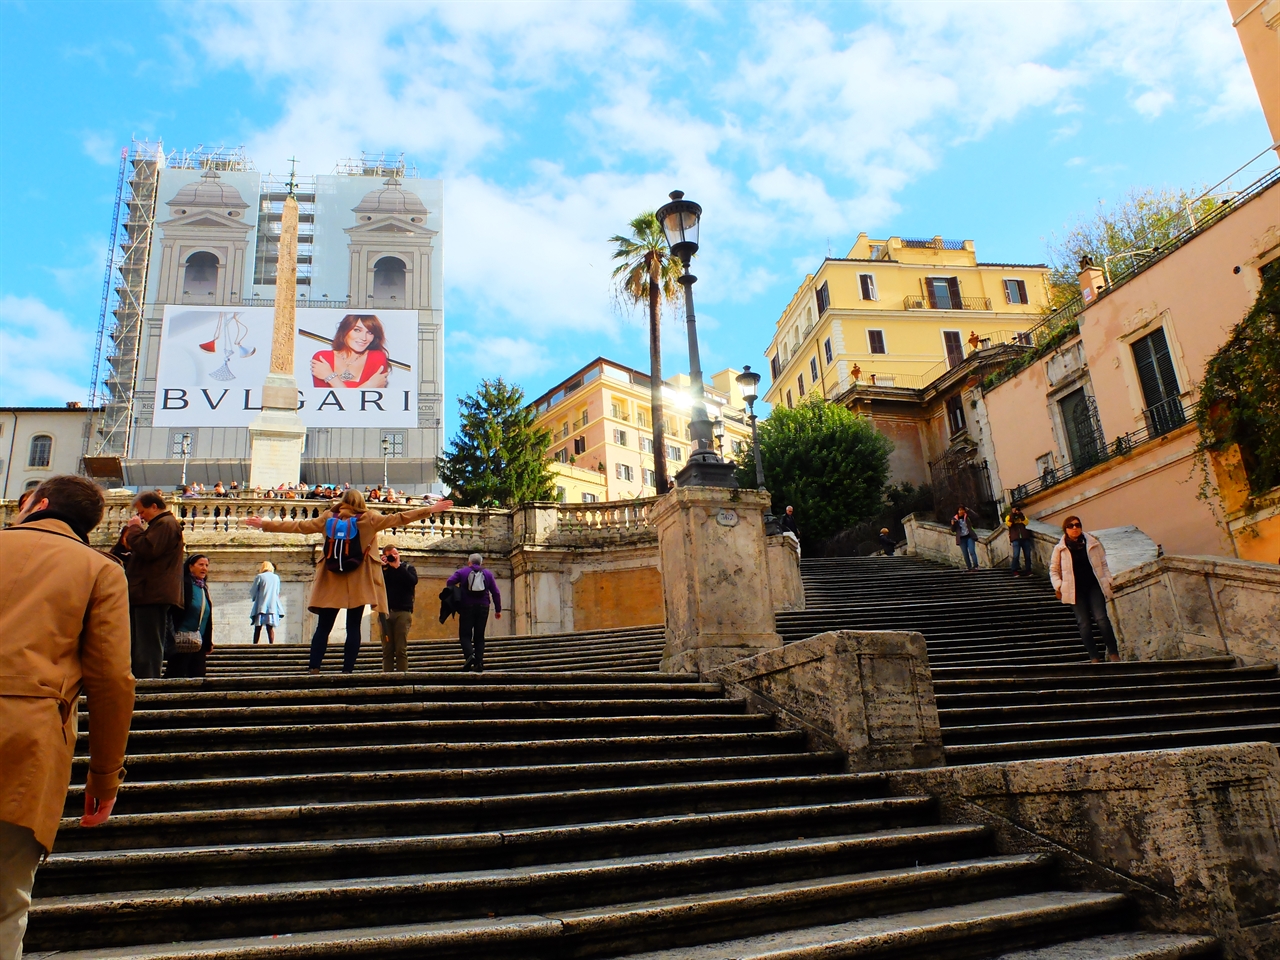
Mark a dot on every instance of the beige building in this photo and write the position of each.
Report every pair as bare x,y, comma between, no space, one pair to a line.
40,442
599,419
898,312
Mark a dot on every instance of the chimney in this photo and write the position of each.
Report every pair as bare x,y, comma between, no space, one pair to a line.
1090,278
73,404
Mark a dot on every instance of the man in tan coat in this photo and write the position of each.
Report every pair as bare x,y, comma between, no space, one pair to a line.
64,628
152,555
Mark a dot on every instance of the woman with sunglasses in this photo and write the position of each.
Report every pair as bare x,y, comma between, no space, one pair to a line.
1080,577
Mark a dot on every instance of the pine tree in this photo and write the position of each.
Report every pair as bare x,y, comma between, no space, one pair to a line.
497,457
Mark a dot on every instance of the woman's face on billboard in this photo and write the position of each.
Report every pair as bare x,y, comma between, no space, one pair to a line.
359,338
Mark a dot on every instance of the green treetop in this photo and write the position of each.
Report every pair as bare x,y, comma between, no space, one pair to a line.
497,456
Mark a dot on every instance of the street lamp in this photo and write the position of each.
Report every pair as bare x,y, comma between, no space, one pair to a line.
186,455
749,381
717,431
680,220
386,452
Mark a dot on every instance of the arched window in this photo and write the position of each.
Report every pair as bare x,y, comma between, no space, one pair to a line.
388,279
41,450
201,281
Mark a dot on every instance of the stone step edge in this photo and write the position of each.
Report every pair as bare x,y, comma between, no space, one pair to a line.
1081,748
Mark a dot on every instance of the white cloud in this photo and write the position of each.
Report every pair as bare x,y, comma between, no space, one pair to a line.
513,358
45,357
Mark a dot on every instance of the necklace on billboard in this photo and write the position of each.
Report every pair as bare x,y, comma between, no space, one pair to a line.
230,333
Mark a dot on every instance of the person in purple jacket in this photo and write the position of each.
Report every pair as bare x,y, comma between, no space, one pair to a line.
477,584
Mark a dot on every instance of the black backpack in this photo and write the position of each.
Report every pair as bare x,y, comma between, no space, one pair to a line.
342,552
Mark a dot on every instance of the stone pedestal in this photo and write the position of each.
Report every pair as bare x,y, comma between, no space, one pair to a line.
867,693
276,435
715,577
785,585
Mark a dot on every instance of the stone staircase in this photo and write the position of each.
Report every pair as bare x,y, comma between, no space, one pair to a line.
530,815
1011,677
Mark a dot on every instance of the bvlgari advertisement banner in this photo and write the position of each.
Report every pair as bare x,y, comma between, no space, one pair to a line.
354,369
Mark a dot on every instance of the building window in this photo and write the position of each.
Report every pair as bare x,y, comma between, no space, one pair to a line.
1015,291
688,433
824,298
877,249
648,477
875,338
955,415
642,419
589,498
564,429
813,369
624,471
790,404
560,495
800,386
562,455
579,446
41,450
176,443
615,410
826,348
1159,381
620,437
954,346
868,284
646,445
944,292
674,453
389,279
775,367
393,444
200,279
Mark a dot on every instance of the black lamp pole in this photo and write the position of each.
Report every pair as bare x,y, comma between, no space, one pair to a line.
680,220
749,381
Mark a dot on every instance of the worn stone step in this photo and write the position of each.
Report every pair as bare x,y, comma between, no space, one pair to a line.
1115,708
333,680
965,753
600,931
1125,946
220,793
1148,718
375,818
254,909
1155,670
407,850
1248,681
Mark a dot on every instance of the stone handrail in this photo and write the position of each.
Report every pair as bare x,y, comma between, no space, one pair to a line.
619,517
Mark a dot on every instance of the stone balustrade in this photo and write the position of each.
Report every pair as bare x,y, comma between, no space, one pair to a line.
624,518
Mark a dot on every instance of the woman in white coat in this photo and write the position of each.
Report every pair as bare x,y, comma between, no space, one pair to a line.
1079,574
265,596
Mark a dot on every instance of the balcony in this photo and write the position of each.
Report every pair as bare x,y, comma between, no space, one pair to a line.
1164,417
949,303
579,424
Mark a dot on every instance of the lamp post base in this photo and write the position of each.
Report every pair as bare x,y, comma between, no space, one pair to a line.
707,473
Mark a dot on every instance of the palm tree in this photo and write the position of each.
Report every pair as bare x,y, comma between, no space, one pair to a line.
648,271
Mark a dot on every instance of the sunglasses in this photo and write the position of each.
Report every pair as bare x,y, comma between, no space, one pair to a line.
1073,526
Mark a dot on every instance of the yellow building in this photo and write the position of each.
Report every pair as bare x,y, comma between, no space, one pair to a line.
599,418
898,312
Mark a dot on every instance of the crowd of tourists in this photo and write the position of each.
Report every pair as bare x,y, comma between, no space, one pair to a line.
296,491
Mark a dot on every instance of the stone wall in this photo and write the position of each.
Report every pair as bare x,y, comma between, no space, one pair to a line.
1193,834
1180,607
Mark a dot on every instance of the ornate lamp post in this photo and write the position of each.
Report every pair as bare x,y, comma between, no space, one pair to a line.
386,452
186,455
717,431
680,220
749,381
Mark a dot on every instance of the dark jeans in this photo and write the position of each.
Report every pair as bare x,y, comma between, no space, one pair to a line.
1020,546
150,631
1093,605
969,547
325,620
471,622
185,665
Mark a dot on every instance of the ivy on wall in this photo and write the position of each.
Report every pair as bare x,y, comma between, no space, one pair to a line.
1240,395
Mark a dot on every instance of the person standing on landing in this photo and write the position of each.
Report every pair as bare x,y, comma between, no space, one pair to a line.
192,623
478,584
1080,577
402,580
152,558
361,584
966,536
64,630
1019,539
264,596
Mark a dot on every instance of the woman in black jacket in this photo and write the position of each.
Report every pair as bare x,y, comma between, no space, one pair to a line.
192,623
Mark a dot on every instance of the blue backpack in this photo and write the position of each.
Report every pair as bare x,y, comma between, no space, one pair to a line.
342,552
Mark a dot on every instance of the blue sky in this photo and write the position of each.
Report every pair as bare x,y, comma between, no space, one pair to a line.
794,125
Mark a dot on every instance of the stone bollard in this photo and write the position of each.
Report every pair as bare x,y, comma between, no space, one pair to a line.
715,577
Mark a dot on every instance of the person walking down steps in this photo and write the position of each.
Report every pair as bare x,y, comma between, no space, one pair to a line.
264,595
966,536
402,581
346,578
1080,576
476,584
1019,540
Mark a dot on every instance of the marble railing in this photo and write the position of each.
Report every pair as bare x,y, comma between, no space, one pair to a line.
616,517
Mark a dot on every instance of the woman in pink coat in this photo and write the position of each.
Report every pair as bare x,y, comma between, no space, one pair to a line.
1079,574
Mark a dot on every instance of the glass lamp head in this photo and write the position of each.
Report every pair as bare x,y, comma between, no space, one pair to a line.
717,428
680,219
749,381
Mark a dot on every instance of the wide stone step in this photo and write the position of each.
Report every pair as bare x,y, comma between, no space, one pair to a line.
1151,719
1125,946
461,682
221,793
1159,671
406,851
157,916
990,752
678,921
376,818
958,719
1246,681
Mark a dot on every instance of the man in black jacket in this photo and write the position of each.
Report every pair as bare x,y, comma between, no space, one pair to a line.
401,580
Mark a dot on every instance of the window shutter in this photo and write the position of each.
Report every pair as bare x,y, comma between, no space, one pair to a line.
953,288
1155,368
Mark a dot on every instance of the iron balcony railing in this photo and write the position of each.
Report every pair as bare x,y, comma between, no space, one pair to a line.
952,303
1160,420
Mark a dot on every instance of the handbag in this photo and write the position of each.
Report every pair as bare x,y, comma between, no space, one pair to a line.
187,641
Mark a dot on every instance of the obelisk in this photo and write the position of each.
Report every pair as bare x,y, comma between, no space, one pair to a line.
276,435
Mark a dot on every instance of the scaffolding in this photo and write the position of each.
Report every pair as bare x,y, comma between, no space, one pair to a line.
377,165
128,263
